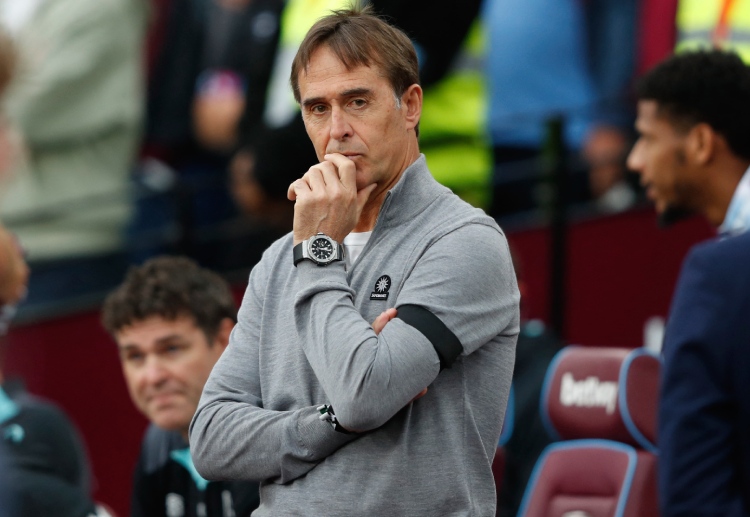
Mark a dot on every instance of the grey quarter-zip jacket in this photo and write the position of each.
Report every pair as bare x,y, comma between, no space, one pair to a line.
304,338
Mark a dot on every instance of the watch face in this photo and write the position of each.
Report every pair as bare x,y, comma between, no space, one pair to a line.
321,249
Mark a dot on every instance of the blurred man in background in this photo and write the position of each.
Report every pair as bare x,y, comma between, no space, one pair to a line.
693,156
77,103
171,320
572,61
45,468
693,153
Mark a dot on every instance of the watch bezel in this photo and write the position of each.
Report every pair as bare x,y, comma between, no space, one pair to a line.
302,251
331,242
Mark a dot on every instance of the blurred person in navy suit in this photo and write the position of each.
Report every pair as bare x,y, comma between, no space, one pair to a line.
693,156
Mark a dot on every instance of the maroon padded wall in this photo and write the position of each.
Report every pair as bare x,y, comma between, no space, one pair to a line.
622,270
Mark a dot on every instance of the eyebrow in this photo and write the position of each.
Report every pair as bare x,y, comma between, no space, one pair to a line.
353,92
356,92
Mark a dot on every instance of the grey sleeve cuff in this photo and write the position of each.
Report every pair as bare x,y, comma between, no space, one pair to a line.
318,436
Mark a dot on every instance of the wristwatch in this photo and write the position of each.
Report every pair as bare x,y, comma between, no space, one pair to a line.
320,249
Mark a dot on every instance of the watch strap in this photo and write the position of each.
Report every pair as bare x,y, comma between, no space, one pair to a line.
339,251
297,253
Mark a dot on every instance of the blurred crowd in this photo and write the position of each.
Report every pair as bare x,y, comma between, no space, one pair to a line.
144,127
140,127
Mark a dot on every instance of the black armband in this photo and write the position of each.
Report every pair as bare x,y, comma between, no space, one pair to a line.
446,344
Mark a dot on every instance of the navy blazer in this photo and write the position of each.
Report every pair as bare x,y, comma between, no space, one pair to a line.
704,413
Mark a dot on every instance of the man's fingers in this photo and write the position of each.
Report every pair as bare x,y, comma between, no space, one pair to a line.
382,319
314,178
420,395
317,177
347,171
330,174
296,187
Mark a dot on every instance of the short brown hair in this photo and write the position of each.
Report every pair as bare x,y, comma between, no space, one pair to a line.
360,38
170,287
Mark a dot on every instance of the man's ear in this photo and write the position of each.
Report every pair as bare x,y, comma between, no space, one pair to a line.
411,102
702,143
222,334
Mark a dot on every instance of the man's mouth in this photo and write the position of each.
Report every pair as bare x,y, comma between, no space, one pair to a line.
348,154
162,398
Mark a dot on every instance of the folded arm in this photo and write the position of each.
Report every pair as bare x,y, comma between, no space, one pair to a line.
371,377
232,436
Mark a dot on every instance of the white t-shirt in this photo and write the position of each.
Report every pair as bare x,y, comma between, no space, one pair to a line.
354,243
15,14
737,218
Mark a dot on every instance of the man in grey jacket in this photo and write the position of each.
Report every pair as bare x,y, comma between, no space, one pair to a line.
310,398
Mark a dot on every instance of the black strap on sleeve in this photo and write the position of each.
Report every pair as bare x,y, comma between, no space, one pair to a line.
446,344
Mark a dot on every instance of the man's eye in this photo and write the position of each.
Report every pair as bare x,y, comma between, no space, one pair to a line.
134,357
319,108
358,103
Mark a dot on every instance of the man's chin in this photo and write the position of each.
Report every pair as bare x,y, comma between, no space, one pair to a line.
170,420
672,215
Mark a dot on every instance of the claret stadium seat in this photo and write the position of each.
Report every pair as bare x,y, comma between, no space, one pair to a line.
601,406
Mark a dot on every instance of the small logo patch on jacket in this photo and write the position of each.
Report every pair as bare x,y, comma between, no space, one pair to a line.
382,286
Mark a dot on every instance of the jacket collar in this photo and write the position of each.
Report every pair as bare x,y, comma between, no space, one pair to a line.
415,190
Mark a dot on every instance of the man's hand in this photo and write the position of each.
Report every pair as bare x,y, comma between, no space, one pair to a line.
327,200
378,326
382,319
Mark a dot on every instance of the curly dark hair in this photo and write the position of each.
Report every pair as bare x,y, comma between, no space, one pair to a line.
704,86
170,287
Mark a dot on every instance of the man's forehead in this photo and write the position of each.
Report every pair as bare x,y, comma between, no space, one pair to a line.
157,328
663,117
650,113
648,108
324,64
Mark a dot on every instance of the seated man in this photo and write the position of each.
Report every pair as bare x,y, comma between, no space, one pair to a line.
43,465
47,471
171,320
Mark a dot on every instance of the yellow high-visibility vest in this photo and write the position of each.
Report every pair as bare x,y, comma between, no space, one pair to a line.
699,25
452,130
297,18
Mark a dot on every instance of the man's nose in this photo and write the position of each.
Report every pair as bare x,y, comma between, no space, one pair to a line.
154,371
340,128
635,158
